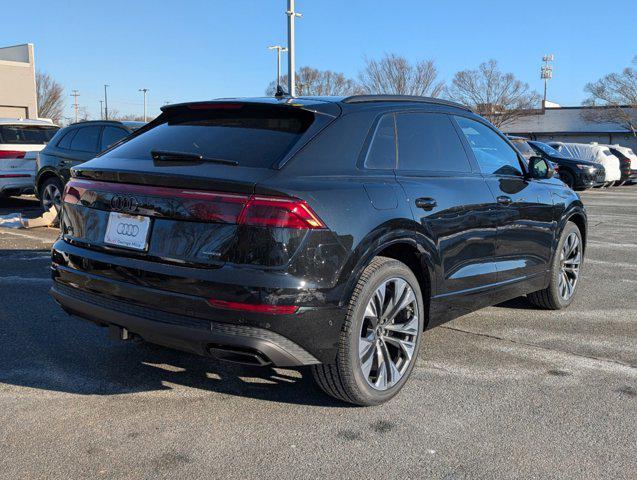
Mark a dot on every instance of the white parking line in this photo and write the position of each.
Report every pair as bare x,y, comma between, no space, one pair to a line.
26,235
12,280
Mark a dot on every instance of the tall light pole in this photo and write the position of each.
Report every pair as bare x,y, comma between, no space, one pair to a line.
105,103
546,73
101,109
278,49
292,14
145,90
75,94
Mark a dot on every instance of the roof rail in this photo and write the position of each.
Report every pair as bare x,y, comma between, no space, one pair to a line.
402,98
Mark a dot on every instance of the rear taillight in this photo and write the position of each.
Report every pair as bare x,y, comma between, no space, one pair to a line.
279,212
11,154
217,207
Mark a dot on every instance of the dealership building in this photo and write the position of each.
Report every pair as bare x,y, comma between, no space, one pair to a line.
571,124
18,97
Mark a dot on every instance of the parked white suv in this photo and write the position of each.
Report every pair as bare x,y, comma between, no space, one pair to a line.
20,141
593,152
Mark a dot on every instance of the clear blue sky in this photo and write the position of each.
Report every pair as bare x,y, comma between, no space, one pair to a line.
193,50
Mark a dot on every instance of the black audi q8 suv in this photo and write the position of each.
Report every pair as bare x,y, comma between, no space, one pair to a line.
326,232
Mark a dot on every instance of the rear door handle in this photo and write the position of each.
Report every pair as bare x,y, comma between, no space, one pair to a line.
426,203
504,200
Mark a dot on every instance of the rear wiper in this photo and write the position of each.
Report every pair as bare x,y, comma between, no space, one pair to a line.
167,156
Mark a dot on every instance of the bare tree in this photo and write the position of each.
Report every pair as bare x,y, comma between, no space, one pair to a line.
497,96
310,81
50,97
395,75
617,93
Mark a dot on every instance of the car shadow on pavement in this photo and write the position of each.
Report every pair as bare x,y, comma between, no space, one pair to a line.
519,303
42,347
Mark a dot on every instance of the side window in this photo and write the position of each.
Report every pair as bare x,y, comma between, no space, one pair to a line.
429,142
112,135
382,151
493,154
65,141
85,139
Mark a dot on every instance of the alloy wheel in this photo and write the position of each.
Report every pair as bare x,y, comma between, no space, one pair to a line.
388,334
570,261
51,197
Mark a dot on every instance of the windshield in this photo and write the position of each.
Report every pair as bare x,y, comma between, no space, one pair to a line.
524,148
252,136
547,149
26,134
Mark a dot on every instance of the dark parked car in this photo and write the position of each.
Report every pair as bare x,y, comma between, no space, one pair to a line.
313,231
71,146
577,174
626,160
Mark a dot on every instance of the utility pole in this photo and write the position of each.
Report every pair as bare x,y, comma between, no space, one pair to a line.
292,14
105,102
546,73
145,90
278,49
101,109
75,94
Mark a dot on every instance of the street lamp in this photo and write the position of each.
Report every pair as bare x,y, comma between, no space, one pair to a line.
278,49
105,102
292,14
145,90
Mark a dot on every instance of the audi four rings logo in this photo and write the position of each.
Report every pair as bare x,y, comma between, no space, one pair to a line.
127,229
120,202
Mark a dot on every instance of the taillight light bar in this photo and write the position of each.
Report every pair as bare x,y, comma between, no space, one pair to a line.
216,207
11,154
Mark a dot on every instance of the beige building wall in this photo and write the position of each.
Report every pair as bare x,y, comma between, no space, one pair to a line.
17,82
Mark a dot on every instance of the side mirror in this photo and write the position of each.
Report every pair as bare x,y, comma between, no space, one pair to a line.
540,169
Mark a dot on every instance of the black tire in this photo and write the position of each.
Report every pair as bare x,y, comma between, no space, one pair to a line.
567,178
47,185
550,298
345,379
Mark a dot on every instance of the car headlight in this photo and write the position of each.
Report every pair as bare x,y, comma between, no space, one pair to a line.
588,168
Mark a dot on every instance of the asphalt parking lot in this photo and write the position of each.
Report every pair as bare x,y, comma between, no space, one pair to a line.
506,392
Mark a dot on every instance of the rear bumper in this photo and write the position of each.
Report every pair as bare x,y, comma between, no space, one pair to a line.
16,185
184,333
186,321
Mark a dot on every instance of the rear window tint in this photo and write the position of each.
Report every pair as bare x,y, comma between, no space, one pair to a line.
85,139
382,151
65,141
429,142
24,135
252,136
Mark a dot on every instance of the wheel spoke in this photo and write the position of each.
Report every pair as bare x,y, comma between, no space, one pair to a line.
408,328
406,346
381,380
368,360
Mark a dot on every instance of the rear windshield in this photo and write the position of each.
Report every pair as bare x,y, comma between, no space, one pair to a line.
26,134
252,136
